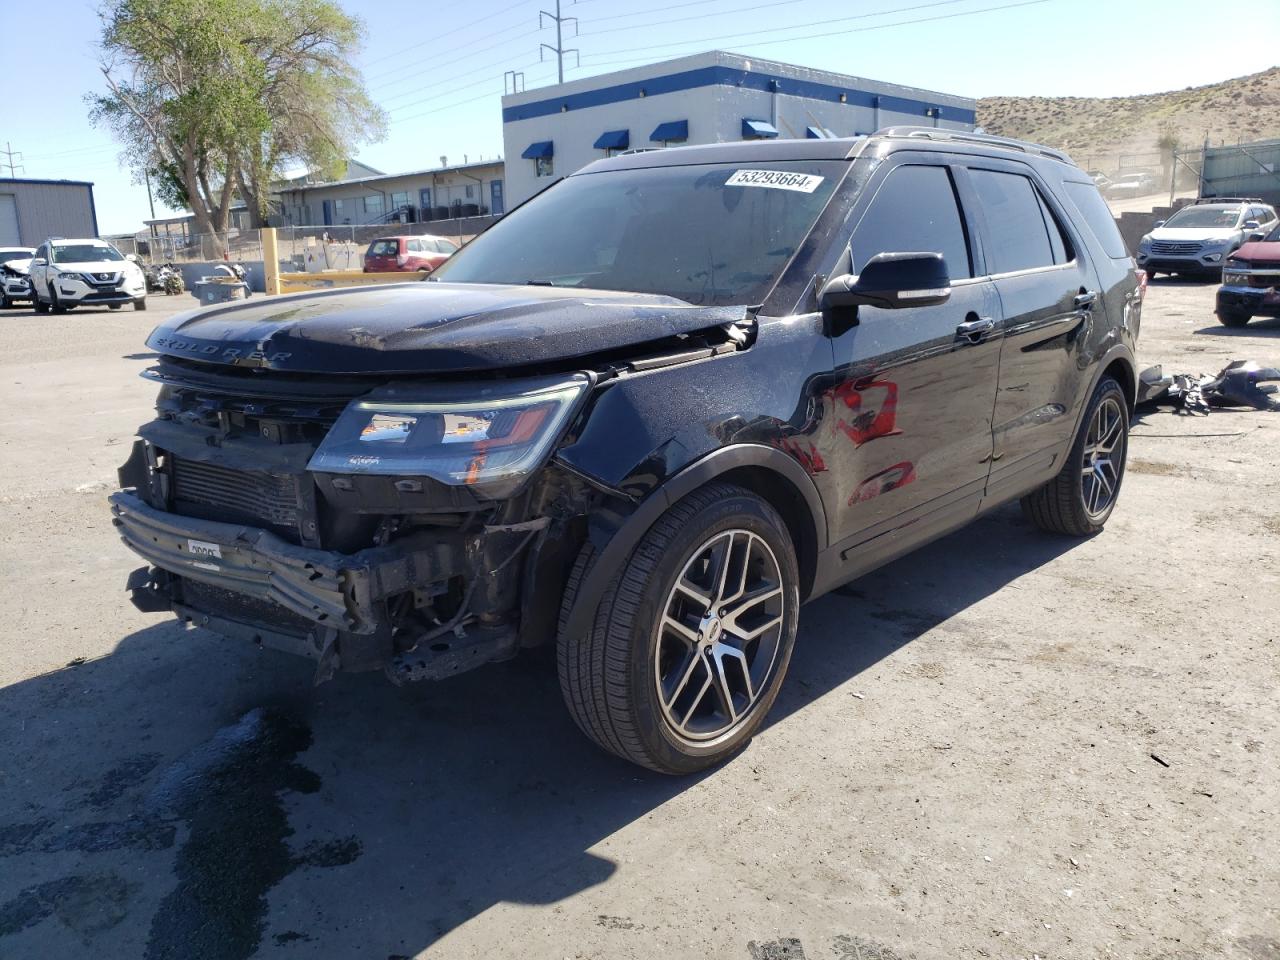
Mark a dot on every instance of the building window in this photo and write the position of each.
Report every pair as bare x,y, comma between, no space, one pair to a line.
339,212
543,167
373,205
399,200
471,191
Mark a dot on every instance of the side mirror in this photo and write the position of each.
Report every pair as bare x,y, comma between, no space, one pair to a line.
39,262
891,281
131,257
1251,224
1255,237
1158,223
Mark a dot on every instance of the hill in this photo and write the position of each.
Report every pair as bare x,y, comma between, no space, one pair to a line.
1124,133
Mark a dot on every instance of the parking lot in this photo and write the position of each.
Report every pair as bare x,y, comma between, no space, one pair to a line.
1006,745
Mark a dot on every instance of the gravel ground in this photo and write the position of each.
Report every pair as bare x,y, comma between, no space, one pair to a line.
1006,745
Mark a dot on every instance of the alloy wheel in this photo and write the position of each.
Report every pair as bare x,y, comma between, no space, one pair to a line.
1103,457
719,636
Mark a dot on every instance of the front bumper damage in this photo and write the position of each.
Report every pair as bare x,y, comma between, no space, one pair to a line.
341,604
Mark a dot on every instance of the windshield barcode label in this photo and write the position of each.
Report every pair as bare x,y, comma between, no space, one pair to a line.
777,179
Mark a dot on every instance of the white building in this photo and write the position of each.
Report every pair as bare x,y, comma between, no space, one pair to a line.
710,97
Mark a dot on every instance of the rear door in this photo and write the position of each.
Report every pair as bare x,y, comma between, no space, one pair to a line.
382,255
1047,291
909,422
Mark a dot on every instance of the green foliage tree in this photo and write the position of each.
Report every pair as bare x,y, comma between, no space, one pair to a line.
213,96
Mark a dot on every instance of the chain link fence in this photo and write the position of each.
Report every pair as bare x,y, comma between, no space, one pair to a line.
301,249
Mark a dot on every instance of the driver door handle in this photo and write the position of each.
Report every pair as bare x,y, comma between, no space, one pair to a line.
1086,300
972,330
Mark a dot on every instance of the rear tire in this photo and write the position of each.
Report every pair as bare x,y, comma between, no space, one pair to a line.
1230,318
680,665
1078,501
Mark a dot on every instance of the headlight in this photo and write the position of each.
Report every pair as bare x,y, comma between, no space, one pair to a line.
1145,241
1216,242
474,435
70,276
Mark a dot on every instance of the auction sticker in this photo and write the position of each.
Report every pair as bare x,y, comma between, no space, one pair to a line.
775,179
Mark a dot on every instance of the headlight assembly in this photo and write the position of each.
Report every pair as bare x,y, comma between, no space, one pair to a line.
486,435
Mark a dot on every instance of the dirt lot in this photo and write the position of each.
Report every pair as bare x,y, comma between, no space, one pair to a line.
1007,745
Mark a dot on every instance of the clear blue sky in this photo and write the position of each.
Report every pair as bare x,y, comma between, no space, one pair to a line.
438,68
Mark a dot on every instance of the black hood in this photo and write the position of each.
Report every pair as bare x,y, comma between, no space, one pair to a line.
428,327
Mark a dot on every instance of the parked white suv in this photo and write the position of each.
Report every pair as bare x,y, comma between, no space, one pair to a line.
1197,240
85,273
14,263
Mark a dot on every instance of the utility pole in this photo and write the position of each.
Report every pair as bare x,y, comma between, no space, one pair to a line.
9,161
559,49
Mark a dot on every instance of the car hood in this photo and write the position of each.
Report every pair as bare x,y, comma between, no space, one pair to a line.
425,327
1193,233
20,267
1259,251
93,266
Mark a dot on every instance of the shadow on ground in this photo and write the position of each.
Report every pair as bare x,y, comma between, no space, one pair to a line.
153,799
1255,327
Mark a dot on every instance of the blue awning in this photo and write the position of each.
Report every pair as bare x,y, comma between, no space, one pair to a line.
818,133
671,130
614,140
758,130
539,151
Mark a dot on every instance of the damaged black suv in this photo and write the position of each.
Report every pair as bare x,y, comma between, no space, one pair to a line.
643,418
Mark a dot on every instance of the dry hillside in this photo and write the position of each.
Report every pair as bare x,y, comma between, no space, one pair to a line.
1124,132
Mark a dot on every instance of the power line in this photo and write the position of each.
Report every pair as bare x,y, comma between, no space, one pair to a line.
825,33
439,36
704,16
642,13
466,56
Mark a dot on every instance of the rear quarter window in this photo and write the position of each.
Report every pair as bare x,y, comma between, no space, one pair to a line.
1097,215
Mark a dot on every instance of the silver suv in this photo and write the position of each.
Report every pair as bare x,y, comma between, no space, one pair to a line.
88,273
1198,238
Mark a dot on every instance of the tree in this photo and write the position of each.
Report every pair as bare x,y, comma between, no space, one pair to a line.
316,100
212,96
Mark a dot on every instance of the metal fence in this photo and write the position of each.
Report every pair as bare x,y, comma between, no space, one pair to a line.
301,249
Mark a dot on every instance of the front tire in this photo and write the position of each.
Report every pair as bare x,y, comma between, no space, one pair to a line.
55,304
1078,501
140,303
1230,318
692,638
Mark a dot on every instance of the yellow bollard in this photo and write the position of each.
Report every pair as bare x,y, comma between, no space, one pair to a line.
270,261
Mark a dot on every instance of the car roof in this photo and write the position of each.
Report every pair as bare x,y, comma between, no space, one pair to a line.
17,249
832,148
63,241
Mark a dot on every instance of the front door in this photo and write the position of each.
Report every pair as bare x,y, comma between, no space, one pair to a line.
1048,293
495,198
908,422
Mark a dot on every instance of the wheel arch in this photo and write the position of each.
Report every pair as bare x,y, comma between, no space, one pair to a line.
764,470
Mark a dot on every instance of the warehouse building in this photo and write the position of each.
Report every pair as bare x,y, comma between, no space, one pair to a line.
707,98
32,211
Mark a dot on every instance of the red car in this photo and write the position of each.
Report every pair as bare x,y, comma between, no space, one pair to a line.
1251,282
408,254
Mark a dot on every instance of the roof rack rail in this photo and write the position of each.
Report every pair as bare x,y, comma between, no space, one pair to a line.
964,136
1228,200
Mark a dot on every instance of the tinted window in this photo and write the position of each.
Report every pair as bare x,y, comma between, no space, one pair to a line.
446,246
1095,212
85,253
1058,241
1016,237
914,211
384,248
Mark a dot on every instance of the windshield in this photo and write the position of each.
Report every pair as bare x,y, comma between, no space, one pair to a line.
706,233
85,253
7,255
1204,217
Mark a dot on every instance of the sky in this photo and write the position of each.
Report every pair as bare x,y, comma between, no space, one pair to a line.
437,68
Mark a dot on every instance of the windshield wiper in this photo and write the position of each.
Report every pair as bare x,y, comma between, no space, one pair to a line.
539,283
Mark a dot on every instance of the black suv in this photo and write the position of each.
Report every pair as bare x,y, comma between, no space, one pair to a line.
643,418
